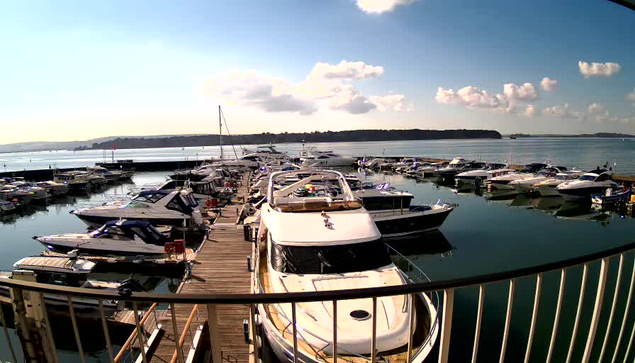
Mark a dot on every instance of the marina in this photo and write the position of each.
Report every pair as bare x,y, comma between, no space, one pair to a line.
364,181
226,262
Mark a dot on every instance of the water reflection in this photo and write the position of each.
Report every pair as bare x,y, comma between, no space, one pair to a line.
431,243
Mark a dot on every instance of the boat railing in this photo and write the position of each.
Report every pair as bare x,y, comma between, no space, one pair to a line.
416,275
595,334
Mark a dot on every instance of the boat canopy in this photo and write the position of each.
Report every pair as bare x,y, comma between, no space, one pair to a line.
143,229
151,196
55,264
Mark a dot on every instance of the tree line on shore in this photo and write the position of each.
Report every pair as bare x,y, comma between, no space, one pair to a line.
307,137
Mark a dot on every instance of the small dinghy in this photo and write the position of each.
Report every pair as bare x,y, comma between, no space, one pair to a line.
612,196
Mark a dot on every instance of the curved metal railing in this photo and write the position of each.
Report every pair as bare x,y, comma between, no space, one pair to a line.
446,287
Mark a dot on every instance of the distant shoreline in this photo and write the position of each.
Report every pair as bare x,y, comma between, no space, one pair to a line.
599,135
284,138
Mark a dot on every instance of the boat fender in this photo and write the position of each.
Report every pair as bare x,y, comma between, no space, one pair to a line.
249,268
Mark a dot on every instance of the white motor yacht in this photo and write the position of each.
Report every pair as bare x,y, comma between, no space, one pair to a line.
312,241
316,158
117,237
526,185
264,152
502,182
547,187
158,207
590,183
481,176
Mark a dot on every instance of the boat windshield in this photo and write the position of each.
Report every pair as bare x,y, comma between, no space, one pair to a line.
330,259
587,177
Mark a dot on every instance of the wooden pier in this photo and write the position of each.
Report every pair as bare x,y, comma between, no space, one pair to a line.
220,267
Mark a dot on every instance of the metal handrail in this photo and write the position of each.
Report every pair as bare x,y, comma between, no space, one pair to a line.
272,298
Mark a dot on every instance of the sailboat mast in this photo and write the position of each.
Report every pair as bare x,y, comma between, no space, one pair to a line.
220,133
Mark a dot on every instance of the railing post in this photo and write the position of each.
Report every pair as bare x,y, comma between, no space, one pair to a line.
295,333
508,318
104,326
534,316
578,313
254,332
597,310
446,325
49,343
479,315
76,330
212,319
624,319
175,329
556,319
140,332
373,340
615,296
334,331
411,321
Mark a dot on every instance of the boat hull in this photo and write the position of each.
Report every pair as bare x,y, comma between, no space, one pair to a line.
92,220
120,249
283,348
394,225
581,193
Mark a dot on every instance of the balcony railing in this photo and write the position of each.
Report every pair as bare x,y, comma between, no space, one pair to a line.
617,335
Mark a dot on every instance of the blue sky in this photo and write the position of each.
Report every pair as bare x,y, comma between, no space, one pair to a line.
79,70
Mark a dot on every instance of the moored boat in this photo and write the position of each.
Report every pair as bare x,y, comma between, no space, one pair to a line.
327,242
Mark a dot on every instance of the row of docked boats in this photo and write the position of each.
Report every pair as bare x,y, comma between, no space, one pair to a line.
16,192
539,178
149,229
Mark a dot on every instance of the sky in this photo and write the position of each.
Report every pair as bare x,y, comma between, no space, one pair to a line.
76,70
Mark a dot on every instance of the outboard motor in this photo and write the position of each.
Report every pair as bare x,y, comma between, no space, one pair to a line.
128,286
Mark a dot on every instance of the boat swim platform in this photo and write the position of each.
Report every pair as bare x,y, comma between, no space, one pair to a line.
219,267
170,265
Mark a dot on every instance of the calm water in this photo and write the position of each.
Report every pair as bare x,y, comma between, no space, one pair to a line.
480,236
580,152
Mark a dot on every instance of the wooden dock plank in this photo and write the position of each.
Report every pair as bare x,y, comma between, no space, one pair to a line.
220,267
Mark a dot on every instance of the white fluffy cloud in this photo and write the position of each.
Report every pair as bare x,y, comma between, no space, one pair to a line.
345,70
595,108
249,88
549,84
326,85
530,111
473,97
526,92
562,112
381,6
469,96
391,102
631,97
599,69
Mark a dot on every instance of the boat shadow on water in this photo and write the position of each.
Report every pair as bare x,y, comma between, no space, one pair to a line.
429,243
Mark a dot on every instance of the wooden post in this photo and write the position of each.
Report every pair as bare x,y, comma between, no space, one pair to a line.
31,322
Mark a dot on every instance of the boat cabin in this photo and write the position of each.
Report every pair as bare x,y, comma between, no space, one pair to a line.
63,271
135,229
